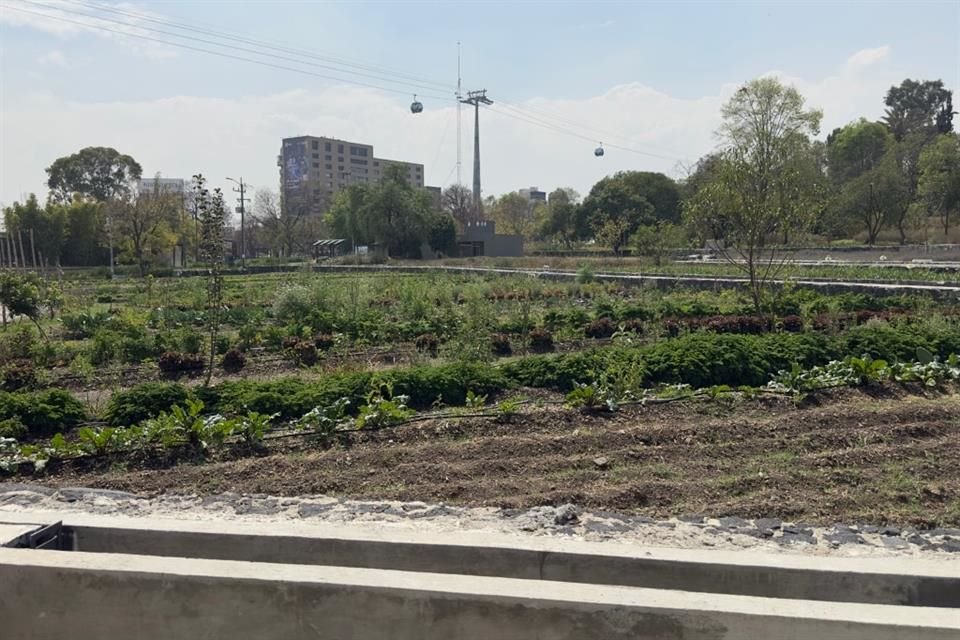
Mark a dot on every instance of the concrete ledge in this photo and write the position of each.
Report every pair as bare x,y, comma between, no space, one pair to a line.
90,596
889,581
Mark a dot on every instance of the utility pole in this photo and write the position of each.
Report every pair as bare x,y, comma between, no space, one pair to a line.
241,189
476,98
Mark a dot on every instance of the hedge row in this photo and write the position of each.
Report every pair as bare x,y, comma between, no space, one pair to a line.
700,360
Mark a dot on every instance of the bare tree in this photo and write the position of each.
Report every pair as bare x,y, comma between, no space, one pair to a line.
283,230
457,200
147,221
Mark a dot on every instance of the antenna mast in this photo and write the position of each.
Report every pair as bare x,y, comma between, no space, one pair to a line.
459,180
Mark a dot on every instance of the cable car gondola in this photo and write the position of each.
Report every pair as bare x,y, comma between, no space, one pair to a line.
598,151
416,106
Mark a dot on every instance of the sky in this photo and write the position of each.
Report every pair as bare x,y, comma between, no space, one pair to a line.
645,79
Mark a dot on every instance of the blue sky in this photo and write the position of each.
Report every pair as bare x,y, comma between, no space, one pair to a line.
649,75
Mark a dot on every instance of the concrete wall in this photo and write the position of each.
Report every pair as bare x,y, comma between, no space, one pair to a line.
878,581
83,596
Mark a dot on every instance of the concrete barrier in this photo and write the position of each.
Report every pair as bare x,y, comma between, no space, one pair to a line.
89,596
151,578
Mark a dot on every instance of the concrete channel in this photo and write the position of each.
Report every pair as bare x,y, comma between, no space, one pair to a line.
115,577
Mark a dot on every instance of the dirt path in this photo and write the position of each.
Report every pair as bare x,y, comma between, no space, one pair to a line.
883,458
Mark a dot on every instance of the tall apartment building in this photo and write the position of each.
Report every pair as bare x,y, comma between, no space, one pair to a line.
314,169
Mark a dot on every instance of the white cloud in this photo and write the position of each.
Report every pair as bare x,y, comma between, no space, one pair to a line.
182,135
867,57
54,58
67,19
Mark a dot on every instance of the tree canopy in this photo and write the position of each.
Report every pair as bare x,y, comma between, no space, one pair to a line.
98,173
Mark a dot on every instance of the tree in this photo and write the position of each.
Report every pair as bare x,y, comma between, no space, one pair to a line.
212,216
564,218
99,173
21,294
939,184
48,226
442,233
919,106
760,189
283,230
514,214
866,171
654,240
635,197
390,214
147,222
457,200
84,246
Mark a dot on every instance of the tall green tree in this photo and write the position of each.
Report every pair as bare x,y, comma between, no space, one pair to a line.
85,245
98,173
866,171
564,220
457,200
919,106
634,197
391,214
515,214
48,225
939,184
760,189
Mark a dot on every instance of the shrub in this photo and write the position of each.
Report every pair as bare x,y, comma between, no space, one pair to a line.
42,413
18,374
305,353
585,275
500,344
541,340
600,328
427,343
143,401
792,323
191,342
174,363
324,341
290,342
633,326
12,428
233,361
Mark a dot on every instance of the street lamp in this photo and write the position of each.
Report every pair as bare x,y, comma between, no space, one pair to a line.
243,242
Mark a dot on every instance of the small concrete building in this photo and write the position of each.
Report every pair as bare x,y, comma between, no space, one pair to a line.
479,238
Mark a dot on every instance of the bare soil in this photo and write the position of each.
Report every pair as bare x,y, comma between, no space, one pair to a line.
880,456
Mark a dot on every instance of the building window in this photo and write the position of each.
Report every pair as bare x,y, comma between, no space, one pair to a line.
340,168
316,156
340,158
357,161
339,148
328,158
326,146
363,152
376,164
329,167
315,144
316,165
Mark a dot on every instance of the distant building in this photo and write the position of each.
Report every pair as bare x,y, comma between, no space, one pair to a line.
533,194
313,170
480,238
436,197
149,186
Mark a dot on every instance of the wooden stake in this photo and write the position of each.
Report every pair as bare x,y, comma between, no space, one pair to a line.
23,256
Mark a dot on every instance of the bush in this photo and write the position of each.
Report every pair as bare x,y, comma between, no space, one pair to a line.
585,275
600,328
191,342
17,375
144,401
427,343
633,326
305,353
13,428
233,361
792,323
324,341
500,344
174,363
541,340
42,413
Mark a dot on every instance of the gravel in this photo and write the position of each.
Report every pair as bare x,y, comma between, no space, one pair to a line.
763,534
